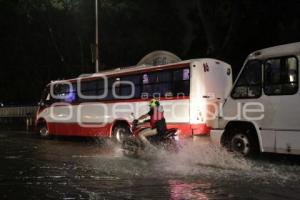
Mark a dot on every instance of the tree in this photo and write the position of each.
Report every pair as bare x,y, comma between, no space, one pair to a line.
217,20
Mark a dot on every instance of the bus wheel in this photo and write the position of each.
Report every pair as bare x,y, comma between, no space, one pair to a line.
244,142
42,130
120,132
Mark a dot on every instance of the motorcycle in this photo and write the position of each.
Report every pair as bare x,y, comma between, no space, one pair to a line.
133,147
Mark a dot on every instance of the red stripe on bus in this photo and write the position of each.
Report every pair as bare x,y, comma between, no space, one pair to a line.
105,130
75,129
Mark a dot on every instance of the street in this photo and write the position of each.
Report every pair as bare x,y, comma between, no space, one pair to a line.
80,168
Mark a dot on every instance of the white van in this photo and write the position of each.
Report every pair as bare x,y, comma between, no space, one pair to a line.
262,112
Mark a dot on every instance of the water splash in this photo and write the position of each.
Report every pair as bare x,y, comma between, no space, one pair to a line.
207,160
195,158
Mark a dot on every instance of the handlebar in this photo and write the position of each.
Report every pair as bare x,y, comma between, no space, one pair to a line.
136,122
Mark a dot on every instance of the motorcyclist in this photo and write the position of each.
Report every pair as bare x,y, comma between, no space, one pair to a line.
157,121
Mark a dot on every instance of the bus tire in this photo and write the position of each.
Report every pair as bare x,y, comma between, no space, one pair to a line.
42,130
120,132
243,141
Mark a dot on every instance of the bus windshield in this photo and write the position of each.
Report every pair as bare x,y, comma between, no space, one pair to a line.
249,82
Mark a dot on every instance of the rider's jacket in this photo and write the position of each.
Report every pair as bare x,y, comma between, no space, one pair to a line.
157,119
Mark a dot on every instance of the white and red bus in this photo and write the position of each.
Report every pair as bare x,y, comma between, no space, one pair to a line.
100,105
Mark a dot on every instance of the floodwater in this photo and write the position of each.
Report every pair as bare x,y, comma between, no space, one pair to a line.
34,168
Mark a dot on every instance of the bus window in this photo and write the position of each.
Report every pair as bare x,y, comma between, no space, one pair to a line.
157,84
186,74
71,94
164,76
145,79
126,89
164,85
109,88
102,87
181,82
148,86
88,88
63,92
117,87
249,82
281,76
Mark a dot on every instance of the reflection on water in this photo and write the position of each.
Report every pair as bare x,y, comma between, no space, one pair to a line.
181,190
33,168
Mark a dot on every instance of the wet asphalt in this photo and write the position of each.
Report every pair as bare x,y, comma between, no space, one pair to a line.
83,168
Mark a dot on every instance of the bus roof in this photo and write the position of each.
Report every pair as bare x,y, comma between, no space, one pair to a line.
276,51
134,69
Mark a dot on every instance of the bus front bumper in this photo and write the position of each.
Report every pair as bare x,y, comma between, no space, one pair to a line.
215,136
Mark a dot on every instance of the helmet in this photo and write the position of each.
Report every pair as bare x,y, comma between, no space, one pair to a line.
153,103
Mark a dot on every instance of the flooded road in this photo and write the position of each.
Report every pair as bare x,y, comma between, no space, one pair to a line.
34,168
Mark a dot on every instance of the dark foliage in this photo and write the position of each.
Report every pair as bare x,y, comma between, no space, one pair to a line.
42,40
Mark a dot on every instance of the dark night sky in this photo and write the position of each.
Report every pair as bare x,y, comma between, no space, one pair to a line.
51,39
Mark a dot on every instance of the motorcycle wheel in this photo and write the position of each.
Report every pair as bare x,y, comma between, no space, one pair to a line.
131,147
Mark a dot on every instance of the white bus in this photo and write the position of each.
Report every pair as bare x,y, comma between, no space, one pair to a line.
262,113
100,105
